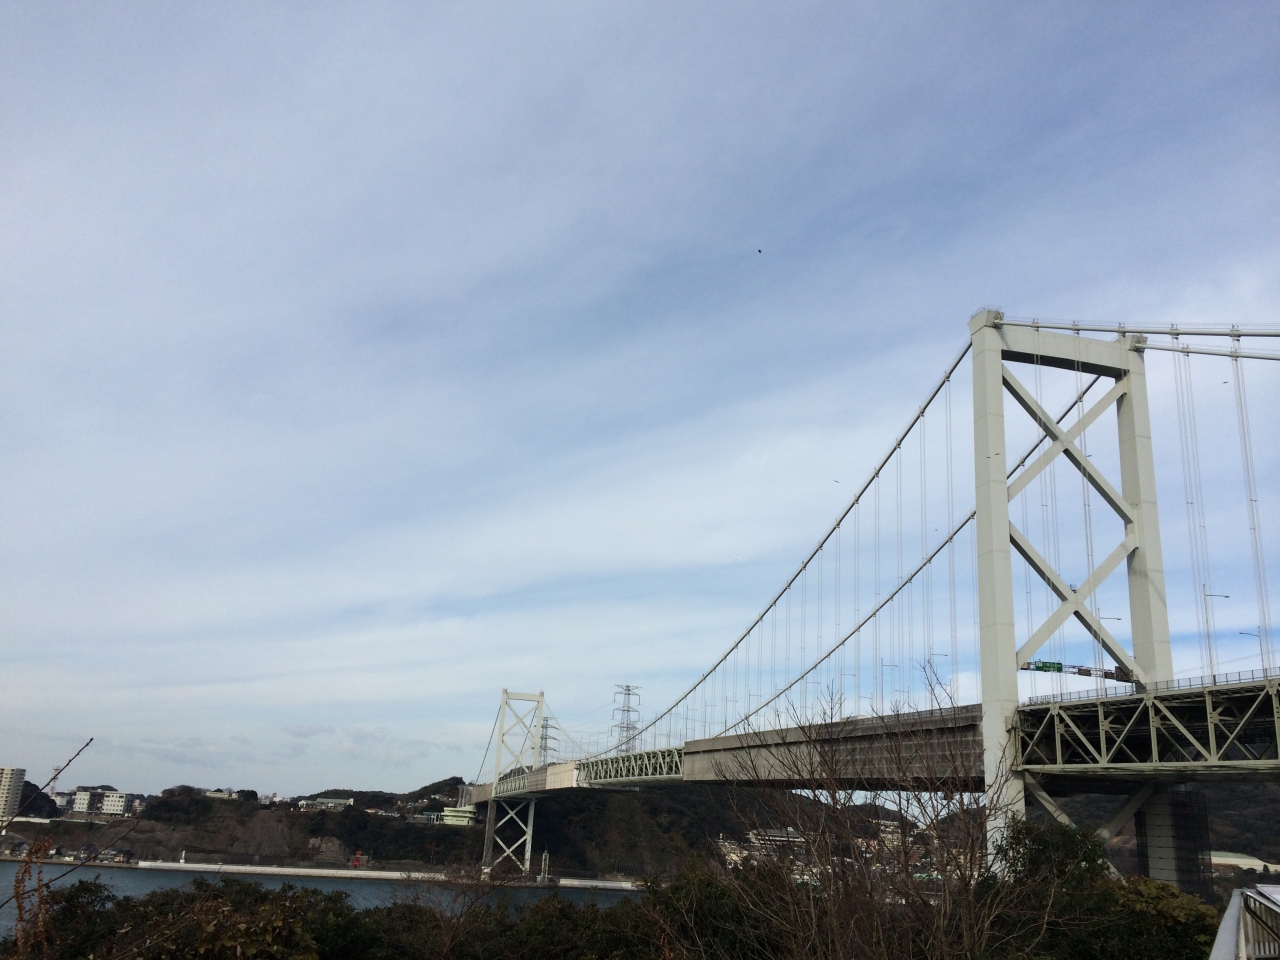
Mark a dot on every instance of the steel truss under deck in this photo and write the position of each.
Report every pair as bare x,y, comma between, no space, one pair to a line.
664,764
515,784
1210,733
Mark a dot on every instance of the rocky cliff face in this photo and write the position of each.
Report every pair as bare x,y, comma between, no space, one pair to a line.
265,834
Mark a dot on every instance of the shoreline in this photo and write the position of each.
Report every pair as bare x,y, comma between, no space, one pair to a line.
328,873
336,873
401,876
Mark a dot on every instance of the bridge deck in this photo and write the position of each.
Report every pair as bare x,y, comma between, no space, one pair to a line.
1225,731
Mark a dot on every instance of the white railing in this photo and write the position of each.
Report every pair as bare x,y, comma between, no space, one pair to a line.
1186,683
1250,929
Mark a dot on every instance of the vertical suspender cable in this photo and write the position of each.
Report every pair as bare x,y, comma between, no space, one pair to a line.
840,663
804,622
786,663
877,668
817,620
1057,563
1192,488
1087,508
760,664
1251,503
857,610
927,606
773,653
1046,545
1086,496
906,673
1026,579
973,598
951,558
898,658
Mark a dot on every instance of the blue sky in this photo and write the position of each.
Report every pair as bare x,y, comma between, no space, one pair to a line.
363,360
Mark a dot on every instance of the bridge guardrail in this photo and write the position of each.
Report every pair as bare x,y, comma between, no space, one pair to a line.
1250,927
1128,689
1181,732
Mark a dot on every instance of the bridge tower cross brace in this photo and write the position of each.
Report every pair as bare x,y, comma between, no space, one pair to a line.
518,748
1120,360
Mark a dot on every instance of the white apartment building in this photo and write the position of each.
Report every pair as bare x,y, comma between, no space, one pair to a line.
117,804
112,803
11,780
87,800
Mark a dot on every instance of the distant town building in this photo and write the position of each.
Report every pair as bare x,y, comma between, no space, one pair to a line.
11,780
458,816
759,845
87,800
64,800
107,801
227,794
117,804
327,803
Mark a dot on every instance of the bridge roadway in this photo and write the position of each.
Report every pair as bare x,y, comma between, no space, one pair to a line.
1226,730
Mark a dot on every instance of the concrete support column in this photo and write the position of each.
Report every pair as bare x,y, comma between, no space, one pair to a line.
1173,838
997,642
528,837
1148,610
490,819
1156,836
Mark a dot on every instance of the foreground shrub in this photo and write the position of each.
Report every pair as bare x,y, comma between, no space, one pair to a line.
1048,895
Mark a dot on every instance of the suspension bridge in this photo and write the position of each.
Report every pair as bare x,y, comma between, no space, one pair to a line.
991,612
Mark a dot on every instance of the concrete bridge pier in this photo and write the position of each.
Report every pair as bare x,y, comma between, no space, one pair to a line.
1173,839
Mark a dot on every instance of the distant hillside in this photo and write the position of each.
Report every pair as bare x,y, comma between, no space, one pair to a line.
1243,817
236,831
638,833
433,796
634,832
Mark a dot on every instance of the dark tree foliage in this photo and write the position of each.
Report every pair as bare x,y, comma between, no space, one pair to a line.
234,918
181,805
701,915
1096,916
393,838
643,833
705,912
36,803
376,799
423,798
441,788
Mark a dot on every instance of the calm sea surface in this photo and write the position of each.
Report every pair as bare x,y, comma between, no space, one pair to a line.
364,893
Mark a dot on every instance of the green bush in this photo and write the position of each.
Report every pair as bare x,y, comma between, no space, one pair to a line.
1067,907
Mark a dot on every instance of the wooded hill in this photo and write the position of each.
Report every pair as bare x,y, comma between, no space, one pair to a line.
593,832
